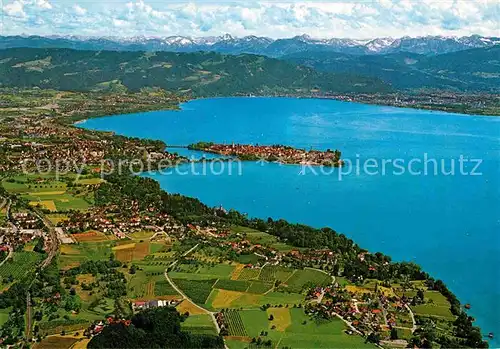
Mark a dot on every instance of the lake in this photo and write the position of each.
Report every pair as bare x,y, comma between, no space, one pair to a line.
417,208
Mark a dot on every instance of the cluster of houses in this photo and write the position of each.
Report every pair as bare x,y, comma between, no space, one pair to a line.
441,98
32,144
280,153
156,303
110,220
374,312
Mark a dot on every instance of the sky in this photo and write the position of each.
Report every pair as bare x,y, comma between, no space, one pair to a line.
360,19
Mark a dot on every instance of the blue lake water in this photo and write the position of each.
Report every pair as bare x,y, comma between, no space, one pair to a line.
449,224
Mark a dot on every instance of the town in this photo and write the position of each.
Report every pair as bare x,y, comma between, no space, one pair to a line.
273,153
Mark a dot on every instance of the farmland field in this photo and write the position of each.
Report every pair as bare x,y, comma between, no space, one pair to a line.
293,328
248,274
259,287
92,236
61,200
163,288
267,275
194,272
144,285
56,218
197,290
232,285
281,273
436,305
57,326
281,318
220,299
235,324
46,204
187,306
89,181
199,324
56,342
304,277
73,255
254,321
20,264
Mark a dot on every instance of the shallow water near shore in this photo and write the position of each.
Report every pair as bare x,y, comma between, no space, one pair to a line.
449,224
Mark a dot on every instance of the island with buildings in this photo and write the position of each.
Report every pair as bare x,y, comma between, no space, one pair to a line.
273,153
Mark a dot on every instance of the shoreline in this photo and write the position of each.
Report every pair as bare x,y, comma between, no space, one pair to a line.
179,106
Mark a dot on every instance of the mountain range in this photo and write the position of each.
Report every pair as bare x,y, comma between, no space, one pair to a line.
469,70
426,45
196,73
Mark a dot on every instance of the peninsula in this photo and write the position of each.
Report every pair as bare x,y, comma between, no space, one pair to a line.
273,153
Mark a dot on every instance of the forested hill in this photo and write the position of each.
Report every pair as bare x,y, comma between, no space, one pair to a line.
470,70
199,73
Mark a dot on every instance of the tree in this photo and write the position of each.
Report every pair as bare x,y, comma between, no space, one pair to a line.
394,334
373,337
420,294
271,317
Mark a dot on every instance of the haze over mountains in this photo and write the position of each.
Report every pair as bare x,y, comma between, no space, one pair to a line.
428,45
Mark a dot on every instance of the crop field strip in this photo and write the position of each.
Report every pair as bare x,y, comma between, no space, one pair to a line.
267,275
235,323
259,287
163,288
232,285
249,274
197,290
20,264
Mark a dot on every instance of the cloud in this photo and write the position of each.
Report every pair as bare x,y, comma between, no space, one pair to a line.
43,4
15,9
80,11
343,18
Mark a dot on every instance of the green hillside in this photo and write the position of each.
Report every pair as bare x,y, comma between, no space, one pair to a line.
199,74
470,70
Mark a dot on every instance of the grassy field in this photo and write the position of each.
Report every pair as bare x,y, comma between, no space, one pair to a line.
195,272
199,324
89,181
57,218
186,306
73,255
61,201
290,327
146,286
436,305
281,318
4,315
220,299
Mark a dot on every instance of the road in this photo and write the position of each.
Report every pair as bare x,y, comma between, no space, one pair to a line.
28,316
414,327
184,296
11,251
54,247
